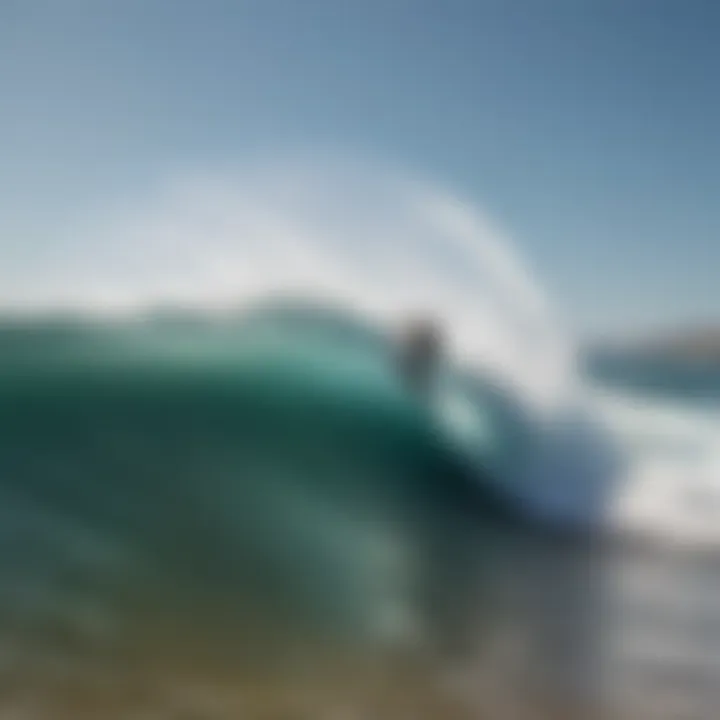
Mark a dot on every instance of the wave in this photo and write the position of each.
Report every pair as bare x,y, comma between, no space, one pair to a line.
269,457
364,248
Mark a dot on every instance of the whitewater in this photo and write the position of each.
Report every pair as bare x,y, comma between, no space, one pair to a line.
378,247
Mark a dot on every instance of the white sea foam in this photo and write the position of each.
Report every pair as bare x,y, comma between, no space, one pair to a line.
669,483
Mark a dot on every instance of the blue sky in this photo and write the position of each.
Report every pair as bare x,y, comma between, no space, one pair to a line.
588,129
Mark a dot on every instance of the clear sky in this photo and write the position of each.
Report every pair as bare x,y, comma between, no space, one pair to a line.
587,128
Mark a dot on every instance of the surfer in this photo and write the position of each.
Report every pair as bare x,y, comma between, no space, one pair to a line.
419,355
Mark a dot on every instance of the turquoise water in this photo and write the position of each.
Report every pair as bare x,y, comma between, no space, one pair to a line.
267,468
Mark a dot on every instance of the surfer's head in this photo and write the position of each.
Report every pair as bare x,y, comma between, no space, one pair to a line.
424,334
420,351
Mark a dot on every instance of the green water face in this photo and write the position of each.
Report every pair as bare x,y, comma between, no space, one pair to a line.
299,476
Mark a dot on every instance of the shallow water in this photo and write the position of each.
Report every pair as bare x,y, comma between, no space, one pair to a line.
523,628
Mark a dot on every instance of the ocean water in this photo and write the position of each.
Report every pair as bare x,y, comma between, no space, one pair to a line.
235,508
194,509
